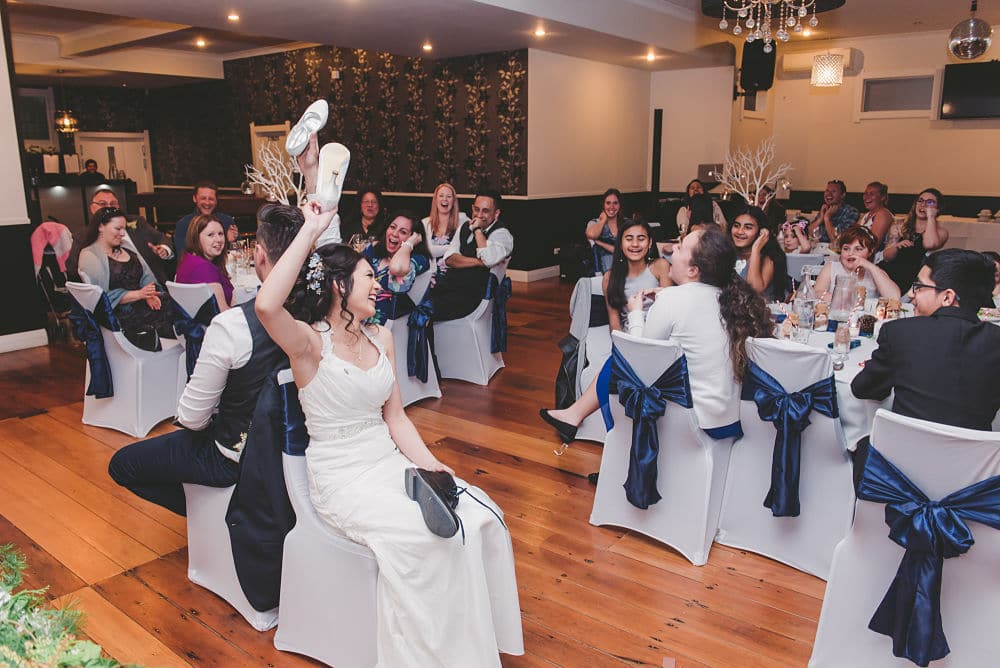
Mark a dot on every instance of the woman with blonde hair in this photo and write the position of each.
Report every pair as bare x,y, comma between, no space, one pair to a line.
441,224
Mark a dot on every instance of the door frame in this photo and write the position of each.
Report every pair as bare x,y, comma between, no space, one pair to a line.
143,138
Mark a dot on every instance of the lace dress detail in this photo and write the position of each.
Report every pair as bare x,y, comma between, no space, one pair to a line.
440,603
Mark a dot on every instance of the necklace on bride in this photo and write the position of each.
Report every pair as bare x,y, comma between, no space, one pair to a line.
354,350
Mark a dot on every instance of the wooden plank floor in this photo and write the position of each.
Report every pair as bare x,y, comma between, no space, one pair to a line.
590,596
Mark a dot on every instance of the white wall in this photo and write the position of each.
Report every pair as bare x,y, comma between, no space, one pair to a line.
697,111
815,128
15,209
588,126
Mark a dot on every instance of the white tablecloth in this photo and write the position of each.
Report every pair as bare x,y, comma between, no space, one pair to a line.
245,286
798,260
856,415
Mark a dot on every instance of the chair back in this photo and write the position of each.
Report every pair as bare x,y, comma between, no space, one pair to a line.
86,294
190,296
825,489
939,460
421,284
691,467
500,268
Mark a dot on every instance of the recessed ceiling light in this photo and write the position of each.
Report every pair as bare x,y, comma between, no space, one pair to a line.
650,56
427,46
233,16
200,43
807,32
539,32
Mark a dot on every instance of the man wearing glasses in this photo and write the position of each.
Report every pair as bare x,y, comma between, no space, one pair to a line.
944,364
140,237
835,215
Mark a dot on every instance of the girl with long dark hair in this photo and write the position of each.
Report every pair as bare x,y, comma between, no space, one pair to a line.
398,258
604,229
759,259
633,269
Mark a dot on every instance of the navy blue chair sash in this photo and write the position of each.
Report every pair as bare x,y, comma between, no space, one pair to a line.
296,438
789,411
499,292
193,329
644,405
598,311
421,332
930,531
87,327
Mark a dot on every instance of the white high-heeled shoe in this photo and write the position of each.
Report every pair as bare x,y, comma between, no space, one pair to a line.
333,162
312,121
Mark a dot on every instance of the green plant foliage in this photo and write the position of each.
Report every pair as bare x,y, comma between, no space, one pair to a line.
33,635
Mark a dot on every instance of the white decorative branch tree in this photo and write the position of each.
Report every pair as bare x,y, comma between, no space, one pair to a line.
276,175
746,171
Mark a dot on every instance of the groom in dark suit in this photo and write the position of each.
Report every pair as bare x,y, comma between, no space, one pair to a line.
944,366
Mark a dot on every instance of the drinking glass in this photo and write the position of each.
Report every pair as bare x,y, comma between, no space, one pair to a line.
841,344
357,242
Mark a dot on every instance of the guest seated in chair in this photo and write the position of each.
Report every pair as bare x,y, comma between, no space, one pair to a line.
398,258
603,230
237,356
877,216
144,311
367,220
710,312
793,237
205,200
205,259
759,259
943,366
696,187
442,223
994,257
857,245
701,212
907,244
835,215
140,237
632,270
478,245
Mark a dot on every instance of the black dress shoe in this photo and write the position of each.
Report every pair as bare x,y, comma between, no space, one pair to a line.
592,478
436,494
567,432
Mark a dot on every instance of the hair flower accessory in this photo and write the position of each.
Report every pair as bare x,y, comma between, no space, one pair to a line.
316,273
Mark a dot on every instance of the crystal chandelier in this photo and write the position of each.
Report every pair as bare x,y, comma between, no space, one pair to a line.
757,18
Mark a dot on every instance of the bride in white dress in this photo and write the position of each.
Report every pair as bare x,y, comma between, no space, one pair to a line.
441,602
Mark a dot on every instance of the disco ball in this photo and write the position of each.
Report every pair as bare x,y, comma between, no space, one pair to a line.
970,39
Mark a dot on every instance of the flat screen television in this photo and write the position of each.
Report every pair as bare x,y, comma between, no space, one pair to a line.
971,90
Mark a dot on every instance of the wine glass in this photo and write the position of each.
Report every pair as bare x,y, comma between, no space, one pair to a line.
357,242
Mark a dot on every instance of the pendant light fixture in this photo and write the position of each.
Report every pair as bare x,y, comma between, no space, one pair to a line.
65,121
971,37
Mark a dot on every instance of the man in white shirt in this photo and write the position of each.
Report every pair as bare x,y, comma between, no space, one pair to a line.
237,357
478,245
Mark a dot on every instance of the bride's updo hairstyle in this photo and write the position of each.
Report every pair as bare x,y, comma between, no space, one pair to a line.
744,312
327,269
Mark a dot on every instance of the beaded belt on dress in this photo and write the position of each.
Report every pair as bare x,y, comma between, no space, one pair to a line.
356,428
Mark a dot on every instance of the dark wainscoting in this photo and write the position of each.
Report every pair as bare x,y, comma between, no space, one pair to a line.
23,306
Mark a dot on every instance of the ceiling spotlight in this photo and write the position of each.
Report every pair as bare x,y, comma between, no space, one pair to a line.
200,43
650,56
539,32
233,16
807,33
427,46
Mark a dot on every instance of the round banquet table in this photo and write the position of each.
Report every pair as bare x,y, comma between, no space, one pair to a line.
856,415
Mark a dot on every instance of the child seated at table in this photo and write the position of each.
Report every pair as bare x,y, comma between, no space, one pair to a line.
793,237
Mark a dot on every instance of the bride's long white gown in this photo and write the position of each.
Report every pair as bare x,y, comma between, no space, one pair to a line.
440,603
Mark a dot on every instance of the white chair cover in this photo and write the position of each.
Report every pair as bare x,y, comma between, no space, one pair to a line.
210,554
463,345
826,489
144,382
411,388
328,583
190,297
691,465
592,359
939,459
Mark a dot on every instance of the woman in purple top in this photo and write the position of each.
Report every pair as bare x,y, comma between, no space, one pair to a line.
205,259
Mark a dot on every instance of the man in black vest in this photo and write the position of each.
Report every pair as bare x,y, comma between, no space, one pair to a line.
236,359
478,245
